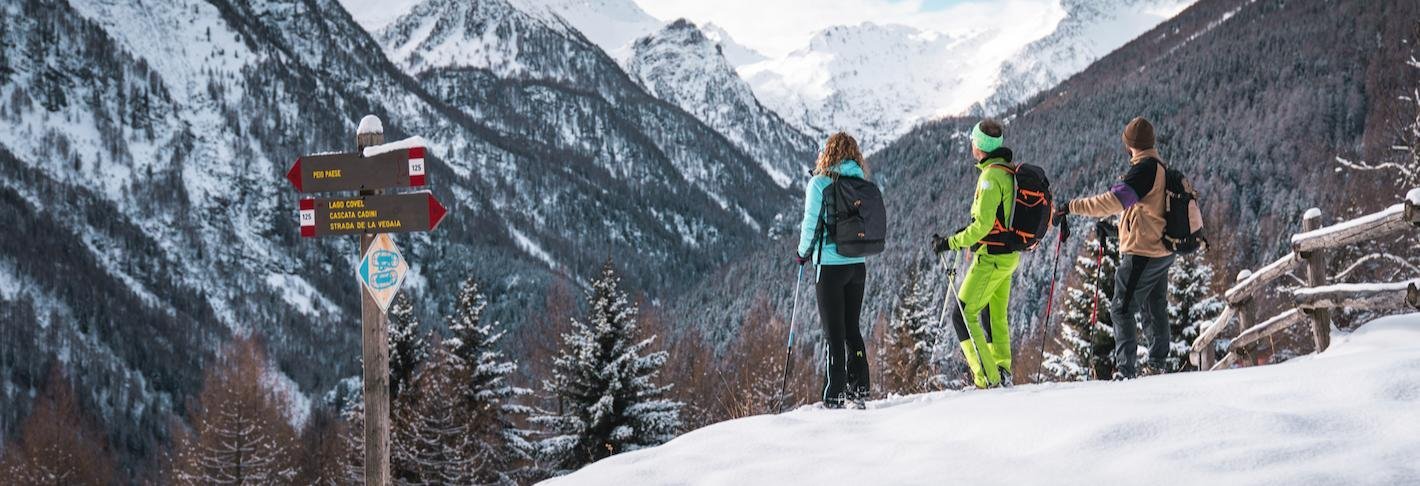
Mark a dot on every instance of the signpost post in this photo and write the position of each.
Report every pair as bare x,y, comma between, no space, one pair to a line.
372,215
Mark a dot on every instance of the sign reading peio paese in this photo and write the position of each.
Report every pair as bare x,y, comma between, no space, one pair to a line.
354,172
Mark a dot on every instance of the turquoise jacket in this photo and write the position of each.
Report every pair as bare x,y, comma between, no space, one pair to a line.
813,203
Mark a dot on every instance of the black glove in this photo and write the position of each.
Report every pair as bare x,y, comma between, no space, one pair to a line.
800,259
1064,224
940,244
1104,230
1061,211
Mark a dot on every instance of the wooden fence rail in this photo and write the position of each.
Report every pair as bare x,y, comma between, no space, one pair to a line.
1315,301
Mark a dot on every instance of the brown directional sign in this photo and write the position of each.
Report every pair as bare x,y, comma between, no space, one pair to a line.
382,213
352,172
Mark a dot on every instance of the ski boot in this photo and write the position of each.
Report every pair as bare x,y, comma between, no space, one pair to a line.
1006,379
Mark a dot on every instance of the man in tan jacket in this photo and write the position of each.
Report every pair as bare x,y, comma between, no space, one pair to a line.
1142,279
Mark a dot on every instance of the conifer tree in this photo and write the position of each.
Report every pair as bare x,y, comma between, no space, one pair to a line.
431,443
352,437
480,385
57,444
751,385
323,451
239,431
1191,304
1082,352
5,41
912,340
603,381
407,347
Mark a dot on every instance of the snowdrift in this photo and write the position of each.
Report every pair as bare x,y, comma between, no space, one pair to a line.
1348,416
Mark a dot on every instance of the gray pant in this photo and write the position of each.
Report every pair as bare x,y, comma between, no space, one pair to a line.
1140,284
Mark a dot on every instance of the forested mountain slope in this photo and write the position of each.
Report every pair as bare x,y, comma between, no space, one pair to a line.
143,161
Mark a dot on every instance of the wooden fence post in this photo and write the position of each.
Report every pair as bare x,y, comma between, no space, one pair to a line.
1206,357
374,350
1316,276
1247,317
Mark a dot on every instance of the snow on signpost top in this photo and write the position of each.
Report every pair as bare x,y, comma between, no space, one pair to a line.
408,143
1312,213
1414,196
370,124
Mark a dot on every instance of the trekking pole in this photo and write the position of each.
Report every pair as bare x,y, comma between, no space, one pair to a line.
1049,303
955,296
789,347
1095,308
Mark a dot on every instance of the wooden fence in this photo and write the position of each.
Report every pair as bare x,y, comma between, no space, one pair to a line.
1314,302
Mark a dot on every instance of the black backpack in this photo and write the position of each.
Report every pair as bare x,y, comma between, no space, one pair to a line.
853,216
1032,209
1183,219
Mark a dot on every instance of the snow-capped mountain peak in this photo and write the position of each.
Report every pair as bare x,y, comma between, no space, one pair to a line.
877,81
873,81
682,65
738,54
1089,30
610,24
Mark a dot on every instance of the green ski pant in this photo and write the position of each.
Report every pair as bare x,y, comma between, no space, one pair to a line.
986,293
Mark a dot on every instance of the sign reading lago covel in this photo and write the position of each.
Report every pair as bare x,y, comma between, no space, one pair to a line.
370,214
354,172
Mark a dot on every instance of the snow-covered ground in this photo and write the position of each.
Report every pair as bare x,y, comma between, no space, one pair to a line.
1348,416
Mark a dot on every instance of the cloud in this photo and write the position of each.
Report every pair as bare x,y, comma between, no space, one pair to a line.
777,27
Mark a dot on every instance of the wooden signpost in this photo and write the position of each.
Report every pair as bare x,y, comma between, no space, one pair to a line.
372,216
354,171
356,215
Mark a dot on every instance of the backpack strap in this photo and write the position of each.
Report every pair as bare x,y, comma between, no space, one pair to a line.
1000,210
821,229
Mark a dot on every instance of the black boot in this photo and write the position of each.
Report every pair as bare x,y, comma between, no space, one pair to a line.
858,383
835,390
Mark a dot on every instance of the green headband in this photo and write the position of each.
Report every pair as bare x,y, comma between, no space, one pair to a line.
984,142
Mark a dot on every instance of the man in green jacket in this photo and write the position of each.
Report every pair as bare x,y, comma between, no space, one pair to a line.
986,291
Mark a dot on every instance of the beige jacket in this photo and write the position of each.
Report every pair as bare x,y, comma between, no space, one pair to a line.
1140,196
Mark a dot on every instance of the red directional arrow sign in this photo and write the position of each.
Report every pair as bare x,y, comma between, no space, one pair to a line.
385,213
353,172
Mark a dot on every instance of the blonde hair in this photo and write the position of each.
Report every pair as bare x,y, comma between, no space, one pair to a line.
840,147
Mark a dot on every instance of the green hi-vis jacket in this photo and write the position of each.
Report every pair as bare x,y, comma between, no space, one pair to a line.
995,189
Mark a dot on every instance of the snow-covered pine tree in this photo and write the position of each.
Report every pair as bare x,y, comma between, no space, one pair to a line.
431,442
483,392
911,339
1191,304
407,347
239,431
1080,352
603,382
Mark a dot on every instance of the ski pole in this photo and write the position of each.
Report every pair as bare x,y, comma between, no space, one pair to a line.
789,347
1049,303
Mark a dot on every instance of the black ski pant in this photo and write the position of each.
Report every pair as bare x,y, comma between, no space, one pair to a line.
1140,284
840,300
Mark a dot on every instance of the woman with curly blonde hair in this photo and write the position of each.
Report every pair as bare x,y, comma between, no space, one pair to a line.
840,278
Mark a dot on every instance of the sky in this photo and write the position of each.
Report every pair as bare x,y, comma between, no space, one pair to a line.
777,27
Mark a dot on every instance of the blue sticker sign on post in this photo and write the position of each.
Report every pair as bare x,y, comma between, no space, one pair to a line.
381,270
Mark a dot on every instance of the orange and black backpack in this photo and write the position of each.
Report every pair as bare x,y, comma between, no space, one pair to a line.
1032,209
